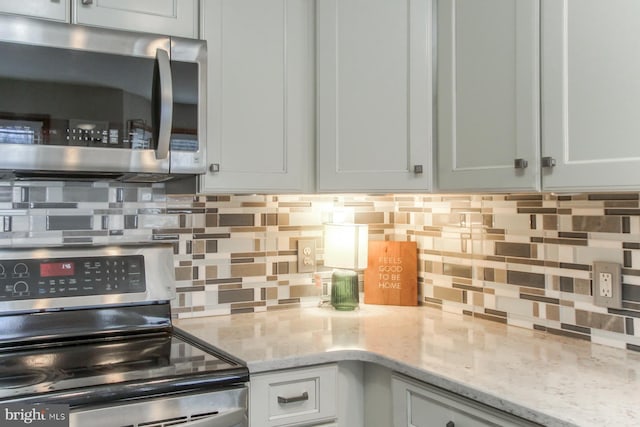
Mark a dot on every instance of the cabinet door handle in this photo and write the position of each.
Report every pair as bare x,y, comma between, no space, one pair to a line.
304,396
520,164
548,162
417,169
214,167
87,2
451,424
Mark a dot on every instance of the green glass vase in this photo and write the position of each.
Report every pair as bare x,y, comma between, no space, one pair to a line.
344,290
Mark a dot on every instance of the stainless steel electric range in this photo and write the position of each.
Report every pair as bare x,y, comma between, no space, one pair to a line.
90,327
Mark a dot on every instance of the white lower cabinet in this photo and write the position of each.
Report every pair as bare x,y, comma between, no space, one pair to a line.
417,404
294,397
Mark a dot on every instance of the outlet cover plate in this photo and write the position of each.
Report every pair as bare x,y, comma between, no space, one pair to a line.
306,255
612,268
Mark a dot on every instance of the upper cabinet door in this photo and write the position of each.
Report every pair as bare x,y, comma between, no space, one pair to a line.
55,10
167,17
260,96
374,95
488,95
591,94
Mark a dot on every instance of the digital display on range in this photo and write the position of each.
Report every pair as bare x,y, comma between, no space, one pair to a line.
57,269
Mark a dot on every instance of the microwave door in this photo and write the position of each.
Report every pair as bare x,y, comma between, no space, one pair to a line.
83,108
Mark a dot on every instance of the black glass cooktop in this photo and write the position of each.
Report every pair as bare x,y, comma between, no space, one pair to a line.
79,372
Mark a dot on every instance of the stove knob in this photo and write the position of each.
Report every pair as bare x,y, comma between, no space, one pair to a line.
20,289
20,270
2,272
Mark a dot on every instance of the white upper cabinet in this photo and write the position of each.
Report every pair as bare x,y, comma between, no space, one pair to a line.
167,17
591,94
260,95
488,95
374,95
55,10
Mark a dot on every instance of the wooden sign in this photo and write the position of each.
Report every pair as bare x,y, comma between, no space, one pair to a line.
391,276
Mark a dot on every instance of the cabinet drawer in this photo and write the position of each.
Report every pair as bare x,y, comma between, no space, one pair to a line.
417,404
292,397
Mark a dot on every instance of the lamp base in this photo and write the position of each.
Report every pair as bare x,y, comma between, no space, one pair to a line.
344,290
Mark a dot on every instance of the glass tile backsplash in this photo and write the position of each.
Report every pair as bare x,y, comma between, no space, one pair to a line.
518,259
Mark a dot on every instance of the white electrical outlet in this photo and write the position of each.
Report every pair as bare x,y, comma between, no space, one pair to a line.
306,256
607,286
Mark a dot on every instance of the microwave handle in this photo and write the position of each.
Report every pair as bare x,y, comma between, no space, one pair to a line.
162,103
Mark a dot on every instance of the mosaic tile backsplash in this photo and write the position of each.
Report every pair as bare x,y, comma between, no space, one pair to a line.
521,259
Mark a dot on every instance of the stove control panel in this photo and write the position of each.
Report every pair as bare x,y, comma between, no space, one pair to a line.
22,279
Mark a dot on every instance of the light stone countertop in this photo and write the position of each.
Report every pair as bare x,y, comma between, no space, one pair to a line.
549,379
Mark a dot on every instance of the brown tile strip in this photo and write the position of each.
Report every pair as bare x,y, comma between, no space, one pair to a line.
629,212
572,242
574,328
495,312
630,292
433,300
237,295
212,236
602,321
572,235
567,333
537,210
621,204
547,300
489,317
622,312
521,278
522,250
570,266
633,347
526,261
236,220
457,270
516,197
467,287
613,196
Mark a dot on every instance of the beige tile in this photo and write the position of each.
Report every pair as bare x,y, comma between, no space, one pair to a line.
582,286
602,321
300,291
184,273
448,294
244,270
211,272
553,312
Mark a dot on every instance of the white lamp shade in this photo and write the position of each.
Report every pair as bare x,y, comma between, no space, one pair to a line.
345,246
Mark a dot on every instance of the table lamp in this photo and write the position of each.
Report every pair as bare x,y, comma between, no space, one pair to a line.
345,249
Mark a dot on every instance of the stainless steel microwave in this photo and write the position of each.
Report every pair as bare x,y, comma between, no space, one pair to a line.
80,101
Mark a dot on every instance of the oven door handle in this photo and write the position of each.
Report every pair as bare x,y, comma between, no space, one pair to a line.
236,417
162,100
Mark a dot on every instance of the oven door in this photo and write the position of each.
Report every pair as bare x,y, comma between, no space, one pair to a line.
224,408
75,99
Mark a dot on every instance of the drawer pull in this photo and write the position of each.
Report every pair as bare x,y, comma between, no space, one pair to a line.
304,396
